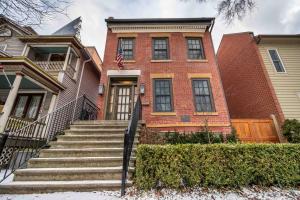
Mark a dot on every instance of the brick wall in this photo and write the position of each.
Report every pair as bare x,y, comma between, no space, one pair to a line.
248,90
179,67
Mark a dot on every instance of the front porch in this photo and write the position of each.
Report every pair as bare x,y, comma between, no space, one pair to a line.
25,95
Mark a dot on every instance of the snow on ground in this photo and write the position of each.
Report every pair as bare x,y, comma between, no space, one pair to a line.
8,179
196,194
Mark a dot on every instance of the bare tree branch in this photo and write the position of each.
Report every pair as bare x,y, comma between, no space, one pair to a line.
33,12
231,9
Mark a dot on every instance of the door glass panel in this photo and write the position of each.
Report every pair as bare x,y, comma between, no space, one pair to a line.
33,107
20,106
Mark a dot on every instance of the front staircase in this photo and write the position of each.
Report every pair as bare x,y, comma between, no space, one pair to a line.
87,158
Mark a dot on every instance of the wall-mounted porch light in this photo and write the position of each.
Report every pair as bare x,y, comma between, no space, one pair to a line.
142,88
101,89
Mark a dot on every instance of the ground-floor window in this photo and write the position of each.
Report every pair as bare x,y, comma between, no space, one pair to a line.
27,106
163,95
202,95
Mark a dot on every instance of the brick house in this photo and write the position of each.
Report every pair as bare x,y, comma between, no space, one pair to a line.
261,75
171,64
45,71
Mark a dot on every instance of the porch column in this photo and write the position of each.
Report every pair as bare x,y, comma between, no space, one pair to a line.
52,103
10,101
50,110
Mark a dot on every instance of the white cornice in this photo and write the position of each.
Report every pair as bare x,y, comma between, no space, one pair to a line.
138,28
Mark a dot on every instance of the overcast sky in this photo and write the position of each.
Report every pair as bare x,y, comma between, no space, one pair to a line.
269,17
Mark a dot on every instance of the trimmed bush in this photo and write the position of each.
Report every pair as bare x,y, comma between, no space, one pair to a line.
291,130
217,165
193,138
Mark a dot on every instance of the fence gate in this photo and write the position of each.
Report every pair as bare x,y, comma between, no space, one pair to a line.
255,130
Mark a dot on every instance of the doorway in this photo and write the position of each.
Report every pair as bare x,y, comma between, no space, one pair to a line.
122,95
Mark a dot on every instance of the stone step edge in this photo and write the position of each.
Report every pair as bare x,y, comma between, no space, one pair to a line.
32,171
89,142
84,150
78,159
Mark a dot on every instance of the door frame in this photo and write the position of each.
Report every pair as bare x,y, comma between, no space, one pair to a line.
109,83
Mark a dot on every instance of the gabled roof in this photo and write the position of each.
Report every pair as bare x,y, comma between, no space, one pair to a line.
24,29
72,28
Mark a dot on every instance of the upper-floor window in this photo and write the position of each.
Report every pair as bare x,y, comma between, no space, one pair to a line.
3,47
127,46
202,95
163,95
276,60
5,32
195,48
160,48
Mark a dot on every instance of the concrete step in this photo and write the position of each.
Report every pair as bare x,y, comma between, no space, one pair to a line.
74,162
94,131
87,144
70,174
87,152
101,122
30,187
98,126
104,137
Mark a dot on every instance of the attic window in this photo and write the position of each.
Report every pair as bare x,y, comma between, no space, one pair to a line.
5,32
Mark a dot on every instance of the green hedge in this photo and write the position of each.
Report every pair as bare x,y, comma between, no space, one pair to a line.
217,165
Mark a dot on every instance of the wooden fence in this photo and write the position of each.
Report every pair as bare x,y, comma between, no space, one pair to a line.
255,130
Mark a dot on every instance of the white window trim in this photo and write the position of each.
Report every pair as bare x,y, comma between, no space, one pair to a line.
285,72
5,46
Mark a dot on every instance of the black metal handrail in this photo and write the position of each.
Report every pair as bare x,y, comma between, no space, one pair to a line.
27,141
129,140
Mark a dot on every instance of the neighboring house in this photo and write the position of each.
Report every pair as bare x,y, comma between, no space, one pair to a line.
171,64
46,71
261,75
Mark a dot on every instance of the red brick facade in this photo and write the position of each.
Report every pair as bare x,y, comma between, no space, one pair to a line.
181,70
247,87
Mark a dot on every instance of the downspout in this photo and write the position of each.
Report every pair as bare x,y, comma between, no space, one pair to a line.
78,90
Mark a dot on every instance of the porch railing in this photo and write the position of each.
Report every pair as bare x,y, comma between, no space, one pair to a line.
22,144
15,123
129,140
51,65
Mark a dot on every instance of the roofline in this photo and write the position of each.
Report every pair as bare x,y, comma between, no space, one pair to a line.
94,63
160,20
24,29
52,37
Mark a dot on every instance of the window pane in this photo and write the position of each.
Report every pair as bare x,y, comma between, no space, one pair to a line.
202,95
33,107
195,48
127,45
276,61
160,48
20,106
163,98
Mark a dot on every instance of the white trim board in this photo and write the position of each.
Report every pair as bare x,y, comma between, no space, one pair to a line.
123,72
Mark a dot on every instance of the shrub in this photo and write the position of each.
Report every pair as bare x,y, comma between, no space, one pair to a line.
291,130
217,165
232,138
193,138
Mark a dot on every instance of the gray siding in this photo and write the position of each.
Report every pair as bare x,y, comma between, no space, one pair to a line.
14,45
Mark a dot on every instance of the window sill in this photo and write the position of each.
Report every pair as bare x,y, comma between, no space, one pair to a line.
164,113
127,61
206,113
199,61
157,61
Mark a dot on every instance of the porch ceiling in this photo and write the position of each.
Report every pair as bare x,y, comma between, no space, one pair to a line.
25,83
31,70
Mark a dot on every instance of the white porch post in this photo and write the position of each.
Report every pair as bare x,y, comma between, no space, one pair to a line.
10,101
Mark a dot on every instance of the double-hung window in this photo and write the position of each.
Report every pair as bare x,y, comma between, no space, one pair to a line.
276,60
195,48
202,95
160,48
163,95
127,45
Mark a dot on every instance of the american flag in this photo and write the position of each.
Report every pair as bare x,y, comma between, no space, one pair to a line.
120,57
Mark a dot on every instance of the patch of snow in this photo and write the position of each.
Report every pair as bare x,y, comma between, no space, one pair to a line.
8,179
272,193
